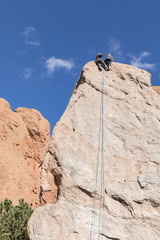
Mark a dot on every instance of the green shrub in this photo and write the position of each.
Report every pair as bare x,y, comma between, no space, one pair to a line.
13,220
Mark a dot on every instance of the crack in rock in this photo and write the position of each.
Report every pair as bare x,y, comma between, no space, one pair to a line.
56,159
141,184
125,203
85,191
112,238
80,81
152,202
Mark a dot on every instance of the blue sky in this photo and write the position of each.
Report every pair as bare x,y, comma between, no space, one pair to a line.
45,43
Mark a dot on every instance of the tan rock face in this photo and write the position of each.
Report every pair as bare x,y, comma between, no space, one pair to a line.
156,88
131,160
24,138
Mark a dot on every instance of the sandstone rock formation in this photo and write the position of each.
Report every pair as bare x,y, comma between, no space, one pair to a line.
24,138
131,155
157,89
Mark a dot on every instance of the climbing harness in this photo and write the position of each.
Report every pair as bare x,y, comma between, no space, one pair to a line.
101,221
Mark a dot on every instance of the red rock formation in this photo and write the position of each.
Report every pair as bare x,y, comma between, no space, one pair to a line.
24,138
157,89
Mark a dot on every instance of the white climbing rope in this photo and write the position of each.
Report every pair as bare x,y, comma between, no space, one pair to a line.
101,227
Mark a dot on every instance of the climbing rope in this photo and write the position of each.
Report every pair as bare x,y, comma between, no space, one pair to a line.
101,224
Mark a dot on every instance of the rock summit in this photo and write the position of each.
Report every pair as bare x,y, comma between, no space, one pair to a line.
131,160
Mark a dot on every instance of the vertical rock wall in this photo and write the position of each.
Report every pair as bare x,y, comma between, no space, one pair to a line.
131,155
24,139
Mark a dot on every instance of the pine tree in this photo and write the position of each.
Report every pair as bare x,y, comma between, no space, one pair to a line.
13,220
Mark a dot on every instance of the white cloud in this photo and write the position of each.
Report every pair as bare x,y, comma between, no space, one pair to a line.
115,48
114,44
137,61
33,42
27,73
53,63
28,31
29,36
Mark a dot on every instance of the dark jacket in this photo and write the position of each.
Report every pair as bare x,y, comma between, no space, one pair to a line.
108,59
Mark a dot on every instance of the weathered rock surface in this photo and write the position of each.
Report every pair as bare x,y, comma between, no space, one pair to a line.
131,155
156,88
24,139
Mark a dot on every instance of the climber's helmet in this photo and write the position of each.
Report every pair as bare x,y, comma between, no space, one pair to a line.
110,56
99,55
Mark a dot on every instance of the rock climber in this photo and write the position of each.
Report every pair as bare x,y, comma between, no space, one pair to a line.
99,61
108,60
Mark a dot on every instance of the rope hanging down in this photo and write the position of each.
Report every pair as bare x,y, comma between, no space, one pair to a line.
101,223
